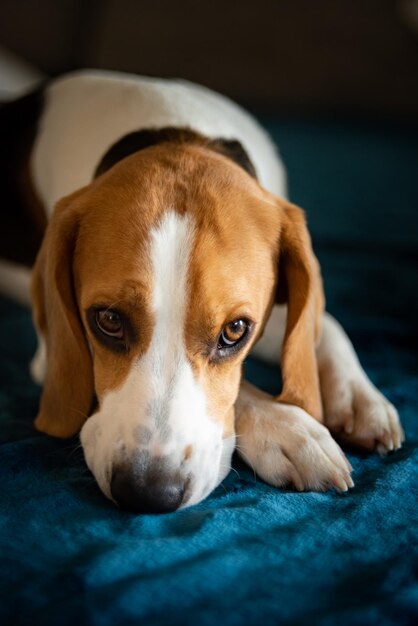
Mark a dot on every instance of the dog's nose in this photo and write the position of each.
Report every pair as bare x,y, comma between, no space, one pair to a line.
158,495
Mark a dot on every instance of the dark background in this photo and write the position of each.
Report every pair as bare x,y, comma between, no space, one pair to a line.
315,57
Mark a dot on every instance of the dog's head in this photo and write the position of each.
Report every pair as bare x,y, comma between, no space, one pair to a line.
150,288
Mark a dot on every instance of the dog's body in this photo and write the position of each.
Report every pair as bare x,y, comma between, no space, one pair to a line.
157,274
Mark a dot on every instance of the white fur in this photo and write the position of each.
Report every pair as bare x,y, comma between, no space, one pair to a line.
286,446
161,408
87,111
38,364
269,347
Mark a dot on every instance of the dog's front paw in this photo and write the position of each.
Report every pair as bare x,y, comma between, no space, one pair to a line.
359,415
286,447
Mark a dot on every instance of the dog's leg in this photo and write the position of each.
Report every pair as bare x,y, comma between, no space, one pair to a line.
269,347
37,366
287,447
354,410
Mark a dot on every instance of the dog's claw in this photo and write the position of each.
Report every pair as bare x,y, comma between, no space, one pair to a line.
363,417
340,484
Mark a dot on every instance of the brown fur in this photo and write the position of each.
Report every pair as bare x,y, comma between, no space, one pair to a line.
305,301
68,388
95,252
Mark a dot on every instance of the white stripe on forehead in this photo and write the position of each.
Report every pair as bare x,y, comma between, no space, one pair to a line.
171,245
170,380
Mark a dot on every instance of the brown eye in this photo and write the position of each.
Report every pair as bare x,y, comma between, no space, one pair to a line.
232,334
110,323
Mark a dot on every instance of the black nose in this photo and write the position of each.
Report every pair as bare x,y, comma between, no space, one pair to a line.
156,495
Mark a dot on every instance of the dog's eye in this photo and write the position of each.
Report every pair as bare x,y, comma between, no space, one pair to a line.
232,334
110,323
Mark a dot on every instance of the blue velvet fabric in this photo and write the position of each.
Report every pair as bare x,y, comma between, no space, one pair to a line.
249,554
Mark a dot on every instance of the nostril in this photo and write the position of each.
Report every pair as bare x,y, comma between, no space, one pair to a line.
161,495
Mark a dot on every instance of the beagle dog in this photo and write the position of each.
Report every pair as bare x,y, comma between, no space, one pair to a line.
168,252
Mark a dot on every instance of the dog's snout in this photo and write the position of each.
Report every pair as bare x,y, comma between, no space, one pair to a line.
157,495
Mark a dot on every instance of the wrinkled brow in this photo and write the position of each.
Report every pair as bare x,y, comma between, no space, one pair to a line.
129,294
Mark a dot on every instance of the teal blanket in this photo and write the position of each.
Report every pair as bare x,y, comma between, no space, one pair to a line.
249,554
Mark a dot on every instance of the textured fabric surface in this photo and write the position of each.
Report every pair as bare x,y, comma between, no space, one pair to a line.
249,554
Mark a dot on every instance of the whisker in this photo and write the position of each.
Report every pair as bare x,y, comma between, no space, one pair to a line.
236,472
75,449
73,408
247,461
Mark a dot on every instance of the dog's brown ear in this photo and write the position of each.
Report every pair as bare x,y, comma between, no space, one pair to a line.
300,286
68,386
